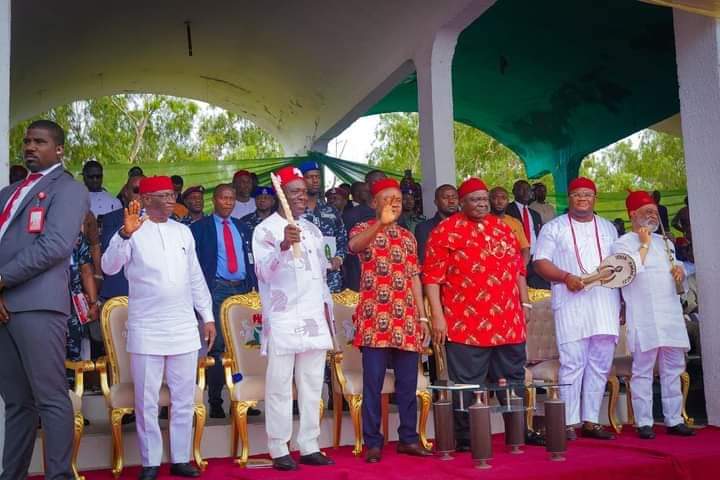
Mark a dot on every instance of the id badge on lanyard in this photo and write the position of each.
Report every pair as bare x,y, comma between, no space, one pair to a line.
36,219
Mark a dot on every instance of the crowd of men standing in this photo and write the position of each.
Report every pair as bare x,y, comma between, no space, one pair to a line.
473,261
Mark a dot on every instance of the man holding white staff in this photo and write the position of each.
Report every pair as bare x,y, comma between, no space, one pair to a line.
655,323
587,322
291,266
166,288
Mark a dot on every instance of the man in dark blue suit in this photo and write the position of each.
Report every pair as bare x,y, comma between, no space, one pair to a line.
223,246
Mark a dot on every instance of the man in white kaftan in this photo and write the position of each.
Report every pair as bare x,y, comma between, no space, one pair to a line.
295,336
586,322
655,322
166,288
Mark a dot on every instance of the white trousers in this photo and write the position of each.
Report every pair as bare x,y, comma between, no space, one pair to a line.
148,372
309,368
671,363
584,366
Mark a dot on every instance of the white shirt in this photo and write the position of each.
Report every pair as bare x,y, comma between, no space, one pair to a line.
243,208
293,291
166,288
581,314
652,306
533,238
102,202
21,196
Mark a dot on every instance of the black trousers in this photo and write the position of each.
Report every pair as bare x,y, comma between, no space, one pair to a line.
480,365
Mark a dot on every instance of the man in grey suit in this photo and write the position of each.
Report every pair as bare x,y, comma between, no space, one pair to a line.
40,220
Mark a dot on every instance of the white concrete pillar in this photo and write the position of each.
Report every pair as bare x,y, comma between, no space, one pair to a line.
697,44
4,91
433,64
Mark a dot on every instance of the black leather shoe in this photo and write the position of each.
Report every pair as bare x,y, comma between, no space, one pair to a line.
596,431
216,411
253,412
373,455
646,432
184,470
534,438
413,449
164,413
681,430
317,459
149,473
284,463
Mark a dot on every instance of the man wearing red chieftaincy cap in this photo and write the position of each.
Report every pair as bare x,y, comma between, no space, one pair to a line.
296,305
167,287
655,323
475,281
390,318
587,323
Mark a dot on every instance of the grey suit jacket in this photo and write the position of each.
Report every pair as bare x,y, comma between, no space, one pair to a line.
35,266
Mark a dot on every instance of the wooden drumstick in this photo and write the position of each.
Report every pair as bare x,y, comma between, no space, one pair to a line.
286,209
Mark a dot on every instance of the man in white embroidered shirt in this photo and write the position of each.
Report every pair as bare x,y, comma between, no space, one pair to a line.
655,322
166,288
296,334
587,323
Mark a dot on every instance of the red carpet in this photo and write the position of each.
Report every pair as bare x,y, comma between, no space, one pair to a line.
628,457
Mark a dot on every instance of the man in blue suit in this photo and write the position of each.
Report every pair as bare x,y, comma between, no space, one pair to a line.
223,246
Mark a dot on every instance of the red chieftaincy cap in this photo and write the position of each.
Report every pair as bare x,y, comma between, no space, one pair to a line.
472,184
582,182
638,199
383,184
288,174
154,184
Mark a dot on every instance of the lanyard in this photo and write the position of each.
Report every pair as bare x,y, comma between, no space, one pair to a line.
577,252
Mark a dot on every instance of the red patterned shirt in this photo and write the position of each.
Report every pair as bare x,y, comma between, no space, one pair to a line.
386,315
476,265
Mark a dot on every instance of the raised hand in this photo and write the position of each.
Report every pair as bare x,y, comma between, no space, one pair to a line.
133,221
387,215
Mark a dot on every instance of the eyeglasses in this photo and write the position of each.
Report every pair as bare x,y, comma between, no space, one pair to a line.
163,196
582,195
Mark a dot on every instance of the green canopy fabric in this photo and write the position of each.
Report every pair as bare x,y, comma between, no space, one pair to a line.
555,81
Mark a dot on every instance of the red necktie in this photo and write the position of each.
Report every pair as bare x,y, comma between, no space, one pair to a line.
526,223
5,215
229,247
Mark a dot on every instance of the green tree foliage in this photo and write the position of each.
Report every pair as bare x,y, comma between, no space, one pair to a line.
397,147
145,128
650,160
653,161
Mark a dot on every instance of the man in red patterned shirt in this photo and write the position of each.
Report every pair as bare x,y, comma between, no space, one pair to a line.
390,318
474,278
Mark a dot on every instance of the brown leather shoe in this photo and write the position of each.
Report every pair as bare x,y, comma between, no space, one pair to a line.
596,431
413,449
373,455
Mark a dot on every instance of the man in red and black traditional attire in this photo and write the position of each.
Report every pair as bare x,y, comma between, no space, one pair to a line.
390,318
474,278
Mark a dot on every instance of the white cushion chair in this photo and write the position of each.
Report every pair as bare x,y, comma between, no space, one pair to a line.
347,377
117,384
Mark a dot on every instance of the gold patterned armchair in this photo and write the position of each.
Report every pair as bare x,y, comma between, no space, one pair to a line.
79,367
117,383
346,374
542,352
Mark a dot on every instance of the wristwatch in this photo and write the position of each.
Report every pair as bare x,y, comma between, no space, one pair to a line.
644,245
423,320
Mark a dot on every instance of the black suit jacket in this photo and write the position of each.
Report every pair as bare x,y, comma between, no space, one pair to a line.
513,211
206,247
422,233
112,285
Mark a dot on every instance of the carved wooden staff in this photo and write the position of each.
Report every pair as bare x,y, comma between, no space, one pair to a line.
286,210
